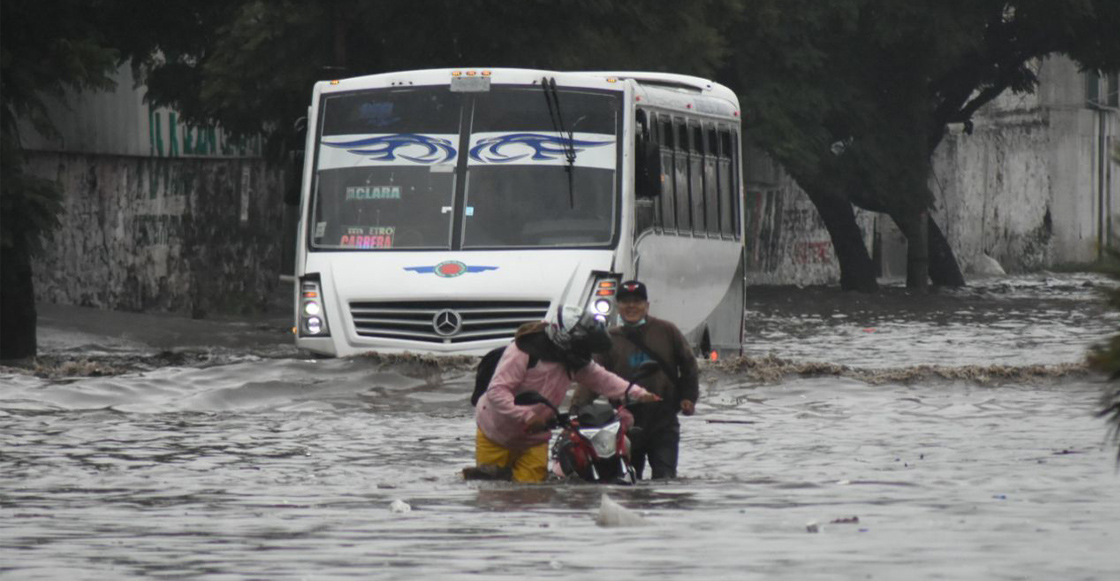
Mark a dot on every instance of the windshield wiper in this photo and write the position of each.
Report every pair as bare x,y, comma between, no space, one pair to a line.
552,98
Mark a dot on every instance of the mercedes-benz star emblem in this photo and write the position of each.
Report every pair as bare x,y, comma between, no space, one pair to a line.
447,323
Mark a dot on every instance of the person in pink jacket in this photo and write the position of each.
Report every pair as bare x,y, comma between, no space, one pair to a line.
545,357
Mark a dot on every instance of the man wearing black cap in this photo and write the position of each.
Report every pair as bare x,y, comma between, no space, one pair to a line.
642,338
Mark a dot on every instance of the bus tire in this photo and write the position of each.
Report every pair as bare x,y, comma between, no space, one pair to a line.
705,344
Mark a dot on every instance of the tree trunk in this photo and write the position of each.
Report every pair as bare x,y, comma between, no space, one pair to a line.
17,304
917,251
857,272
941,261
943,267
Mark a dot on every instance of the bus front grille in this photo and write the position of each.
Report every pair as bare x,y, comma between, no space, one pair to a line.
444,321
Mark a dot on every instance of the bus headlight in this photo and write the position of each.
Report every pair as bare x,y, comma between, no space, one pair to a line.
313,321
600,303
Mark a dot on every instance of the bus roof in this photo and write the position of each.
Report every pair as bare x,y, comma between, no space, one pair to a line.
672,80
686,83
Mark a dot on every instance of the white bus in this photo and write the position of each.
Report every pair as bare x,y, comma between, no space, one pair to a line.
441,209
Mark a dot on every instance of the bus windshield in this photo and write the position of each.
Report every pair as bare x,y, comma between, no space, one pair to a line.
428,168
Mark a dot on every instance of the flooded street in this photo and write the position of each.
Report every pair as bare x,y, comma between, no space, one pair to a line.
240,458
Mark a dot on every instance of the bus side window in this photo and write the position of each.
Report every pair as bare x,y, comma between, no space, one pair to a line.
642,125
666,202
737,195
728,216
647,175
680,176
711,186
696,177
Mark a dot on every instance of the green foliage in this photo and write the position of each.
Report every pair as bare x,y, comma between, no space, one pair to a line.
29,205
253,63
43,55
853,96
1106,357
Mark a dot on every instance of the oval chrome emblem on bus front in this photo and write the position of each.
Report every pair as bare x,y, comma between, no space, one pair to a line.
447,323
450,269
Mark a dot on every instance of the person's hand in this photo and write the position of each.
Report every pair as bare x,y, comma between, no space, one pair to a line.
688,407
648,397
539,422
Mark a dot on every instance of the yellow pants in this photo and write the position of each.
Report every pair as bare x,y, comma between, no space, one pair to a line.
528,465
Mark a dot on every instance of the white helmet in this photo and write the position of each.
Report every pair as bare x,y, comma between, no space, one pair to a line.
571,327
564,324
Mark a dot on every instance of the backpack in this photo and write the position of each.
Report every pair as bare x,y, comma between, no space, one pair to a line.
485,371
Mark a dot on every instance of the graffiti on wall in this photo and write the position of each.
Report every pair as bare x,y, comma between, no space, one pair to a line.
170,137
787,242
819,252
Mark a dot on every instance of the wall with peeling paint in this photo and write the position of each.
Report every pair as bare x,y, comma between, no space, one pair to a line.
166,217
1031,186
119,122
159,215
786,240
192,236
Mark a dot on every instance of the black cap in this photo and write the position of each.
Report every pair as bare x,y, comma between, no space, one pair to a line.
631,289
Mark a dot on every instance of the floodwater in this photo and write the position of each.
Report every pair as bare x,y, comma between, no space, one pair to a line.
238,462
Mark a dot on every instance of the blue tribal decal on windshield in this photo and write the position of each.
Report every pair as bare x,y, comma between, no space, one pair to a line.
385,148
545,147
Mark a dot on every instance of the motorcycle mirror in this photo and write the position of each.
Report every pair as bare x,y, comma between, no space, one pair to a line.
530,398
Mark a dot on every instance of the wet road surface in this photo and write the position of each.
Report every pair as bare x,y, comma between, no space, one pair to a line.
240,458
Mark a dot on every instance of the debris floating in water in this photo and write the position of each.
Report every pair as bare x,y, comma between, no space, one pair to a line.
612,514
812,527
399,506
773,369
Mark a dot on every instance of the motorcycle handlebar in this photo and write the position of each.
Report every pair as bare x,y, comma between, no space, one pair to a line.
554,422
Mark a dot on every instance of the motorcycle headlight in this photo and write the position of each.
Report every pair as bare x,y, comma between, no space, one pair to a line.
604,440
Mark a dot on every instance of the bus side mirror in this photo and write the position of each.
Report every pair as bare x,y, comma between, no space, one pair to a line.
647,183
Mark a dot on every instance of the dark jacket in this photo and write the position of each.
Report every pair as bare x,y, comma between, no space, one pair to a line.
624,358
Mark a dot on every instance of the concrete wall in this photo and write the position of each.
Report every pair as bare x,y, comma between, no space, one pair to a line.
160,216
119,122
1031,186
786,240
191,236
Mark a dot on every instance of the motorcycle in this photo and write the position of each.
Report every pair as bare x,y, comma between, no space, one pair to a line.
593,444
